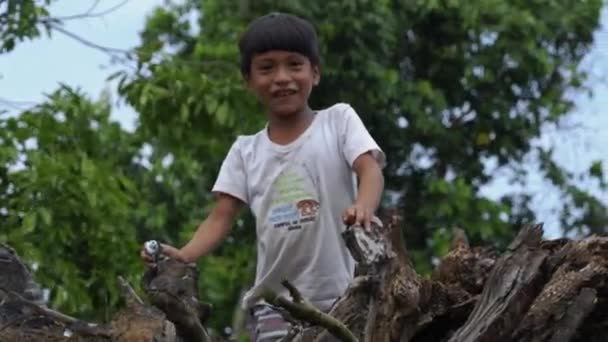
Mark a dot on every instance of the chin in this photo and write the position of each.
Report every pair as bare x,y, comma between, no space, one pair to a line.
286,110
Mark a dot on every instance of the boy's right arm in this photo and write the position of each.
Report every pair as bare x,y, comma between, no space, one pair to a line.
210,232
214,229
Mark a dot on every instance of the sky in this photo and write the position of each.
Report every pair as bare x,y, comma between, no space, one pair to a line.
37,67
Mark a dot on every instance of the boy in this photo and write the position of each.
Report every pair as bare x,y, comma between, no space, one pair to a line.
296,175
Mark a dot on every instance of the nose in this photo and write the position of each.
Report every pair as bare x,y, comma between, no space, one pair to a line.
282,75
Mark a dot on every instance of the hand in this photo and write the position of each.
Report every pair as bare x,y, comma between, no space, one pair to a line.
167,250
358,214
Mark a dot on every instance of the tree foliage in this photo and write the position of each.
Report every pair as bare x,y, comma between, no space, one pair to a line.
67,200
453,91
20,20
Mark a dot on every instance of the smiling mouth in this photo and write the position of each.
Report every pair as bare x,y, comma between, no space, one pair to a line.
283,93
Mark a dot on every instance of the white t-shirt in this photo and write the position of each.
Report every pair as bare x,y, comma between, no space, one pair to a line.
297,193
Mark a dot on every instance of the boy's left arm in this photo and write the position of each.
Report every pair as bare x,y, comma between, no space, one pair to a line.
371,185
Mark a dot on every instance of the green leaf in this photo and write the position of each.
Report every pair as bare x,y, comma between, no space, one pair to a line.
29,223
46,216
596,170
482,139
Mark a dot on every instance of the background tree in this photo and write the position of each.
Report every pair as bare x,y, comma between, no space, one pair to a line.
20,20
67,199
452,91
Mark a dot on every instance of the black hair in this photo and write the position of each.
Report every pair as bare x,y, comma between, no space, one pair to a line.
278,31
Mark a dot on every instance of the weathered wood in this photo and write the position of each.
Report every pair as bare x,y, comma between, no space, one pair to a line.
464,266
568,297
513,284
20,280
172,286
451,305
535,291
299,308
575,314
22,319
383,304
23,315
351,309
595,325
445,310
140,322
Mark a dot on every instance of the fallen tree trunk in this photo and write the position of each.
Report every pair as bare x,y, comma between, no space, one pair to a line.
535,291
23,316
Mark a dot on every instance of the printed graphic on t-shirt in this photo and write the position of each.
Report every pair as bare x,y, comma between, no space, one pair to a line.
294,203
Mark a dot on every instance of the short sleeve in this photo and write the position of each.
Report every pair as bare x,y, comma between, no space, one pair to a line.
356,139
232,177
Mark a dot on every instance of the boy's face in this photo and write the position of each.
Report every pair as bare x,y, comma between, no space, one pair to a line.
282,81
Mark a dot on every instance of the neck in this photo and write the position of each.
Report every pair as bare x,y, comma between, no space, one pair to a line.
284,129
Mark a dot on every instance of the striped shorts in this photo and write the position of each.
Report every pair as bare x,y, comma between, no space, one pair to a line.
267,325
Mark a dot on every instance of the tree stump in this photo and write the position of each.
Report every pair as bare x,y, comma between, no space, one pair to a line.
535,291
172,286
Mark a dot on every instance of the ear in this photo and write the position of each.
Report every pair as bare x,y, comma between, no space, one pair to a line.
316,72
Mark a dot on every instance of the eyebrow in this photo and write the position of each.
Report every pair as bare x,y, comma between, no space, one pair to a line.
263,60
291,55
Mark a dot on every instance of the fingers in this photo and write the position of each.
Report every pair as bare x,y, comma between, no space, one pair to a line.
362,218
172,252
147,259
367,219
357,215
167,250
350,216
144,255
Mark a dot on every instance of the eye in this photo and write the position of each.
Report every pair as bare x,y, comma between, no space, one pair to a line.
296,63
265,67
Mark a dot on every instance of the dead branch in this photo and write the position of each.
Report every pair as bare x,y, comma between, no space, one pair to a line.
301,309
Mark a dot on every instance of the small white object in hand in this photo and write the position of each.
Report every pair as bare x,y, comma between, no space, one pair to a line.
152,247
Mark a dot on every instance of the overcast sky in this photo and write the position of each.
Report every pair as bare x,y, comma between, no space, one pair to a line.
36,67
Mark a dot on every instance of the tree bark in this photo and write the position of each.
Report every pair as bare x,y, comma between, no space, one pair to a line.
515,281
